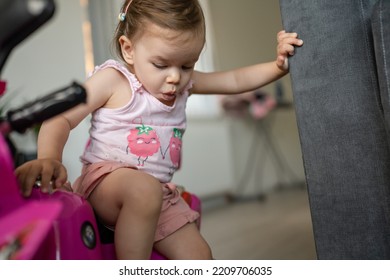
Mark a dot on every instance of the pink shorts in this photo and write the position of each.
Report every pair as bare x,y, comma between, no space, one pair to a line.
175,212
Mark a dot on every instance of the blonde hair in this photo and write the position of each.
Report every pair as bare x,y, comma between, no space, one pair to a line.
177,15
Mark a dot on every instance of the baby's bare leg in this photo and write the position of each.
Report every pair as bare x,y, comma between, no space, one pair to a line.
185,244
131,200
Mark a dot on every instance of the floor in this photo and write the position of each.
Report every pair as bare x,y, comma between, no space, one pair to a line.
276,228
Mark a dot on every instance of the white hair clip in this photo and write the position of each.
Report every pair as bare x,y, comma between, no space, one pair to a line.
122,15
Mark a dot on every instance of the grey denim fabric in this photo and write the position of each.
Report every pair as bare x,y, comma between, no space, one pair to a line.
342,122
381,33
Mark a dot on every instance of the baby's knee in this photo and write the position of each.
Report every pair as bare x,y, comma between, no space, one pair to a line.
204,252
146,194
151,190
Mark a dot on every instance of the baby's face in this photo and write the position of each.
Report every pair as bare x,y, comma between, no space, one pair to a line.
164,60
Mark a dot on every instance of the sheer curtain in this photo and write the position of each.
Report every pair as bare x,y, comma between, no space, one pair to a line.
204,106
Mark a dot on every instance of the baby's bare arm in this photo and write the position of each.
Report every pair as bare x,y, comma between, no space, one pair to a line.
251,77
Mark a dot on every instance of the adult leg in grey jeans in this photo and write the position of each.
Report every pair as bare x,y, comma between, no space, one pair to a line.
342,127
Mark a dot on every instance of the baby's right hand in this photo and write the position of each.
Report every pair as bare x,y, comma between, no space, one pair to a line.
51,173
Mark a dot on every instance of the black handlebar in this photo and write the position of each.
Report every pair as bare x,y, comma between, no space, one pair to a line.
46,107
18,19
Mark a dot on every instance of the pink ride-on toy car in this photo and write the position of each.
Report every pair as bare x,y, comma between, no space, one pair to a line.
60,225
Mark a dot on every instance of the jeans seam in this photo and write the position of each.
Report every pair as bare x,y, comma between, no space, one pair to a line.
386,74
384,49
367,45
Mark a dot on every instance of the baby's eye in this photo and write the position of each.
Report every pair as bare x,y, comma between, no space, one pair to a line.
159,66
186,68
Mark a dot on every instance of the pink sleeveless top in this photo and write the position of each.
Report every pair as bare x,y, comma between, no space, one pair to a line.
144,133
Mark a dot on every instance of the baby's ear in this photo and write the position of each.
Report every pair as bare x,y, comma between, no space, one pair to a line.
127,49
